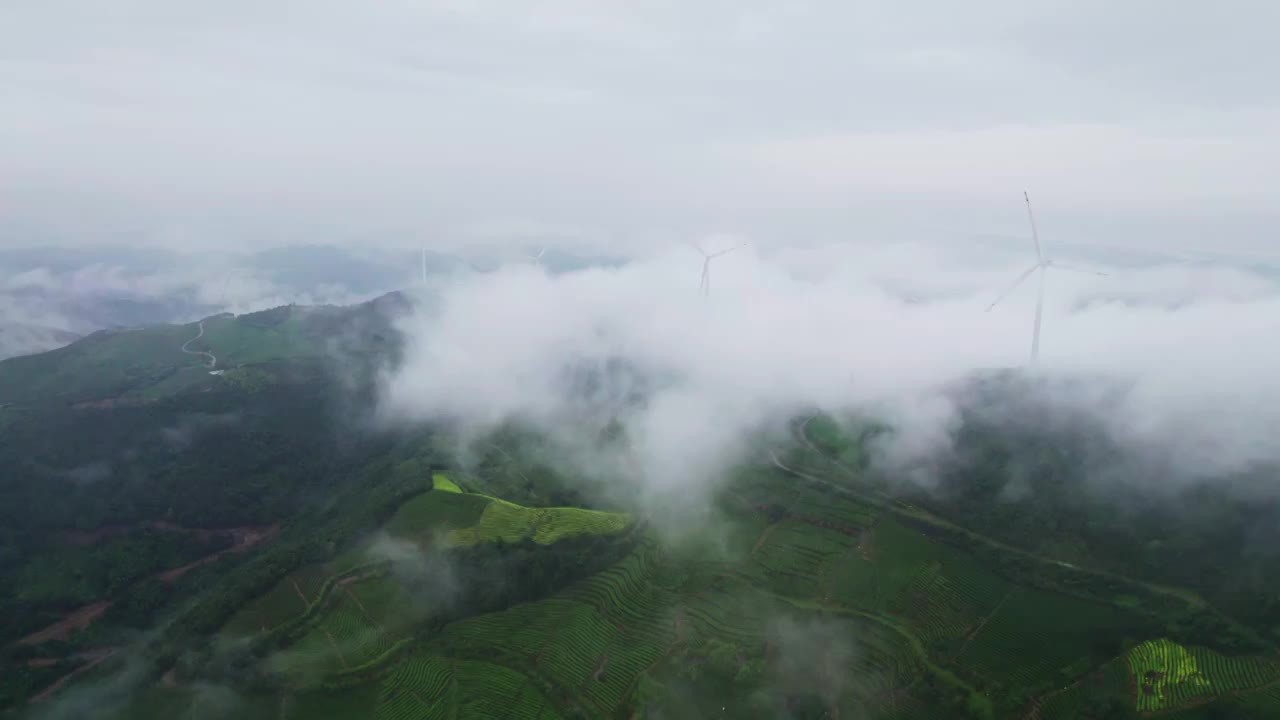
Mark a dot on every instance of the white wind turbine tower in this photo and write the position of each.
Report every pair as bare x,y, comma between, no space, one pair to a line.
1043,264
704,285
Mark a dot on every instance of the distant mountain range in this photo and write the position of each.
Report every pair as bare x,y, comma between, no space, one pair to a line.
21,339
51,295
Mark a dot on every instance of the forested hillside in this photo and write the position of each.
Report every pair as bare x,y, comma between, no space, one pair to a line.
254,544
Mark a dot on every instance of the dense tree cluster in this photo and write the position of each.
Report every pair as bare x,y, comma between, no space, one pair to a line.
1066,495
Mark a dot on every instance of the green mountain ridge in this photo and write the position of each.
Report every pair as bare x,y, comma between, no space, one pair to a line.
242,545
148,362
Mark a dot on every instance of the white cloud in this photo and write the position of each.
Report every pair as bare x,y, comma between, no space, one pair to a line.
825,328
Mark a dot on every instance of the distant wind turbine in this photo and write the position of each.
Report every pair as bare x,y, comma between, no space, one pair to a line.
1043,264
536,259
704,285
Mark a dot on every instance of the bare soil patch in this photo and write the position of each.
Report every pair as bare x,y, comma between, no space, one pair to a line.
77,619
94,657
244,539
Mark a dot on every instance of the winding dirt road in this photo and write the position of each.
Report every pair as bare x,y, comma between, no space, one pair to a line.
213,361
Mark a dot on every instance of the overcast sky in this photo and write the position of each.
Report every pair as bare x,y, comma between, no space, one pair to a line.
249,123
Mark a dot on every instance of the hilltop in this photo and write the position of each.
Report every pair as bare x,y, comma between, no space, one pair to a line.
147,362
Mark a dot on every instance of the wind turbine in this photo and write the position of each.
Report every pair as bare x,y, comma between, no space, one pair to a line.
536,259
1043,263
704,285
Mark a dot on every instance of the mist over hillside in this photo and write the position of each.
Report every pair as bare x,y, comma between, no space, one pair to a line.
616,421
1172,361
650,361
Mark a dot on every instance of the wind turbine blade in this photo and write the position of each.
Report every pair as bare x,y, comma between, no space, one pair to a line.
1014,286
1035,234
1058,266
1035,333
698,247
722,252
541,252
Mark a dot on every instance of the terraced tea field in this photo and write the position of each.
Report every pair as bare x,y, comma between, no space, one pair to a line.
446,516
1168,675
812,598
509,522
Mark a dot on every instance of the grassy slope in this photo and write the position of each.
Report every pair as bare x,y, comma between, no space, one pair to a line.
242,341
918,608
362,618
509,522
104,365
444,515
149,362
815,594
